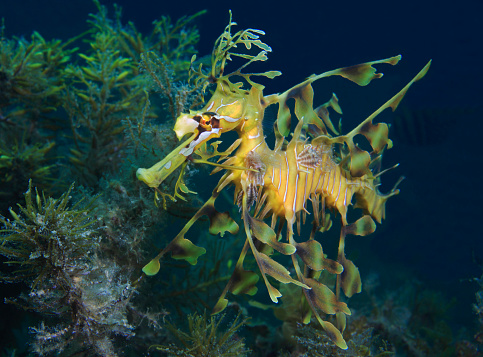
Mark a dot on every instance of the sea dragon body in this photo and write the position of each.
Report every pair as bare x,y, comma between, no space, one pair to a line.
329,171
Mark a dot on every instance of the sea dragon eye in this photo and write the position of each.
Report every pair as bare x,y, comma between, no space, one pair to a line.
205,120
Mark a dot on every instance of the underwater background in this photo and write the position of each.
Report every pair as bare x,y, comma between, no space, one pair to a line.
420,269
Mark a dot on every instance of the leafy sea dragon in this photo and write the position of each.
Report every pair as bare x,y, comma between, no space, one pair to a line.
317,165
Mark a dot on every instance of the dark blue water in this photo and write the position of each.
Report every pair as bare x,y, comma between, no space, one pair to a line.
432,231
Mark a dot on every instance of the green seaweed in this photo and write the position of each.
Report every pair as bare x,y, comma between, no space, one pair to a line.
205,337
31,83
174,42
52,247
20,162
310,342
101,93
31,79
106,94
45,235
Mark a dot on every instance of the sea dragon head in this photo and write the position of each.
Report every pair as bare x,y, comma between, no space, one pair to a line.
230,108
223,112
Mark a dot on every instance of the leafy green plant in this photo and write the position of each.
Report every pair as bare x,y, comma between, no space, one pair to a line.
101,94
19,162
31,78
106,97
204,338
45,237
361,343
52,249
160,74
173,42
31,82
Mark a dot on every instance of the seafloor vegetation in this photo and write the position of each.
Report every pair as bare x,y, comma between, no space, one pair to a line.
91,110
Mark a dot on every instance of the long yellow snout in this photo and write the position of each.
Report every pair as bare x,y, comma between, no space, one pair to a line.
155,175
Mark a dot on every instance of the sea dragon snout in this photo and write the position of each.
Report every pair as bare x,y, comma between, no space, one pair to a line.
202,126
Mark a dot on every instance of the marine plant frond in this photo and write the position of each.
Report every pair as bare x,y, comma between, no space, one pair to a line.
174,42
52,245
31,79
205,337
46,234
178,39
20,159
180,188
102,92
225,49
161,77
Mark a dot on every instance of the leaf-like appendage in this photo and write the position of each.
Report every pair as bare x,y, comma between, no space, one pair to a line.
220,305
323,298
351,278
323,112
152,268
362,227
277,270
364,73
244,282
184,249
221,223
311,254
376,134
334,334
265,234
224,50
